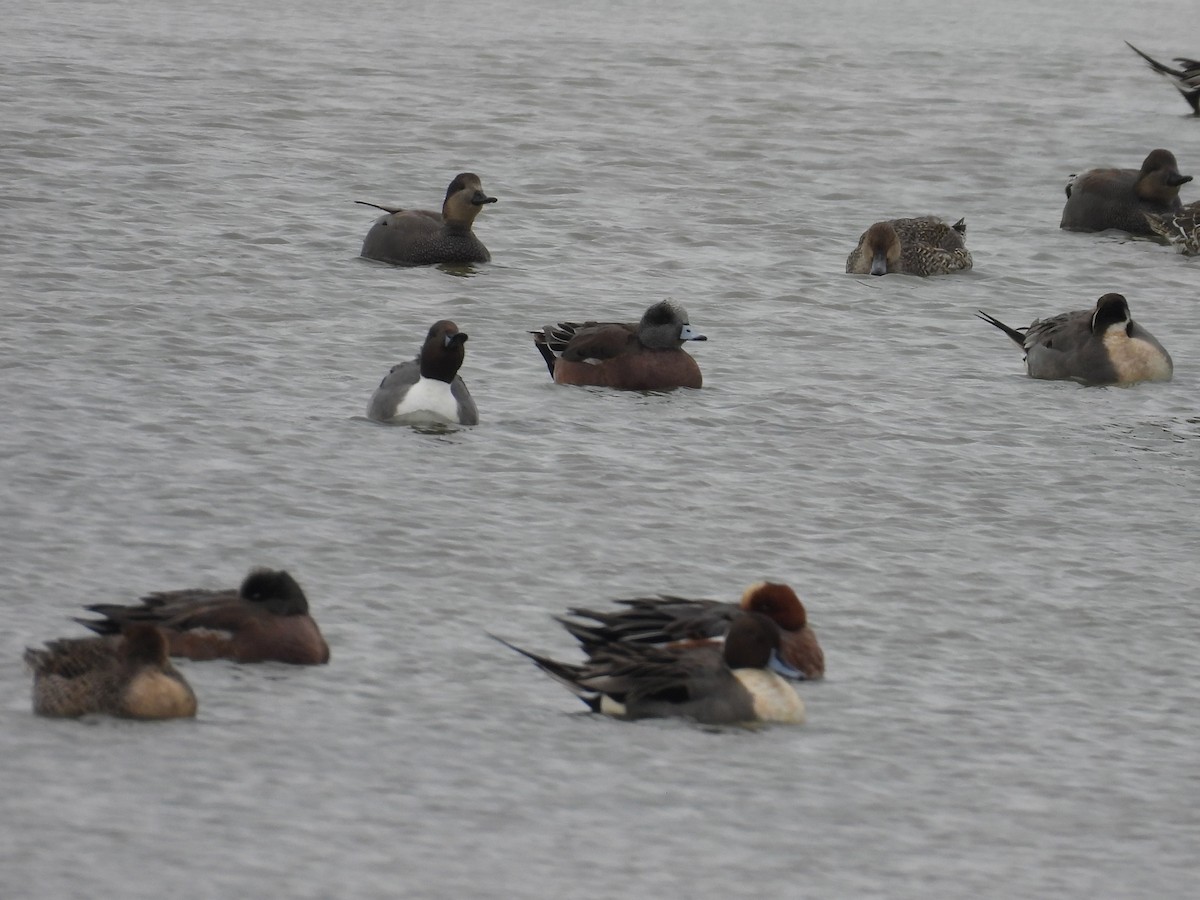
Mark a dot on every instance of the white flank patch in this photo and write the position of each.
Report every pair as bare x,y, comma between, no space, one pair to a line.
611,707
774,699
428,399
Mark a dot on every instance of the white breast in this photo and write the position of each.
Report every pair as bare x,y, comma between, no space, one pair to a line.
428,398
774,699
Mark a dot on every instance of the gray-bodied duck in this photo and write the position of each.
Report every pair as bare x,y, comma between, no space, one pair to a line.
1097,346
428,389
924,245
422,237
1120,198
737,682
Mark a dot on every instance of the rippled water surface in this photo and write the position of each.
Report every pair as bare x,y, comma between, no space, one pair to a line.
1003,572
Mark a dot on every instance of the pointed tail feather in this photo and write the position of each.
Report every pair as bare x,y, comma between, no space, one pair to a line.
1011,332
564,673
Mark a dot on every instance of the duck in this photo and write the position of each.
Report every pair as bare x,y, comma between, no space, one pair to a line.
127,675
266,619
924,245
422,237
647,356
1098,346
1120,198
1182,228
428,389
669,620
736,683
1186,79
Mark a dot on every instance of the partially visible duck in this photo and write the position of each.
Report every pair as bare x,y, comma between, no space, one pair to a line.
421,237
920,246
1181,228
1186,80
266,619
127,675
1120,198
726,685
428,388
648,356
665,620
1097,346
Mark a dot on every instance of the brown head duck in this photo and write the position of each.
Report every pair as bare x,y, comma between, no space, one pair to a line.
918,246
1120,198
421,237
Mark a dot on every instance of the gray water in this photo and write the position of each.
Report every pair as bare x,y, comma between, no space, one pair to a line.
1003,572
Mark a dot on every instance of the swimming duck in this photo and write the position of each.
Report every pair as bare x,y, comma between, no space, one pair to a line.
921,246
1120,198
726,685
648,356
126,675
266,619
428,388
1186,80
666,620
1181,228
421,237
1095,346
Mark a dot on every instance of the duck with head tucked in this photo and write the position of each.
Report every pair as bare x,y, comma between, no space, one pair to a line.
126,675
1186,79
1097,346
421,237
919,246
428,389
1120,198
266,619
647,356
734,683
665,620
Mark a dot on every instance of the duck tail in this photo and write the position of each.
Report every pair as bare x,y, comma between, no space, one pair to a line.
100,626
542,342
1154,63
564,673
1011,332
387,209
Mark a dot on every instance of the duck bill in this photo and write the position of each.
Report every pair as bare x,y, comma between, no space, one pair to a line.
688,333
879,264
1175,179
778,666
480,198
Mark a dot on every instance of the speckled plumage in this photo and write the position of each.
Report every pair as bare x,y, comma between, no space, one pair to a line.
1180,228
128,676
924,245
